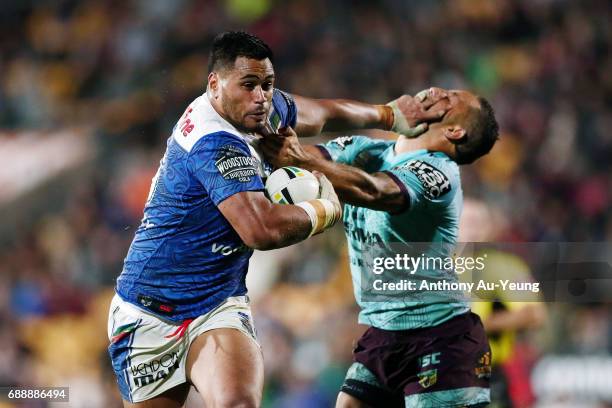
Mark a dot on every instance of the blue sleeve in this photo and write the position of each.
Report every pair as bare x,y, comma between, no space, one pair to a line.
425,184
224,166
284,110
345,149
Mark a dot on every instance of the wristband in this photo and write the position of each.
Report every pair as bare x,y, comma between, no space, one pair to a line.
322,213
387,116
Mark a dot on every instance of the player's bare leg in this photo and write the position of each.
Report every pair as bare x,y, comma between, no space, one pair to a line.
226,367
348,401
173,398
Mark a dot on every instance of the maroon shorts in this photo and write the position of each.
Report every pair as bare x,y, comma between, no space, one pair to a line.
454,355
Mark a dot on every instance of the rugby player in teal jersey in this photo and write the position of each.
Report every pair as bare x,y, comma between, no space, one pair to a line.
429,351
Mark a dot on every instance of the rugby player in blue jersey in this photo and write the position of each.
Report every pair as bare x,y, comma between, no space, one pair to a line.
424,348
181,314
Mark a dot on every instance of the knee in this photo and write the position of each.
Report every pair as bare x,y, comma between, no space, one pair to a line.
236,399
231,394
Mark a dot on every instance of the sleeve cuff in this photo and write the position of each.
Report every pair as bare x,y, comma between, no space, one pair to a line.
404,191
324,152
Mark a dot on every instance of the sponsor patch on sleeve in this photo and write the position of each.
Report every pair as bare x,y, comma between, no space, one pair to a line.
234,164
435,183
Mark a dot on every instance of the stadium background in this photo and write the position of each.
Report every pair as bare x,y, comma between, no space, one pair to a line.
89,91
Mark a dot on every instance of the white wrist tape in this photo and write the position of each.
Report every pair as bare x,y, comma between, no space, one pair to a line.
401,125
322,213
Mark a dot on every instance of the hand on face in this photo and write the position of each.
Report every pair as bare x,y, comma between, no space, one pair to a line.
412,115
283,148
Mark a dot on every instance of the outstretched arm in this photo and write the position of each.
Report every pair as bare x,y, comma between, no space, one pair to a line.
406,115
319,115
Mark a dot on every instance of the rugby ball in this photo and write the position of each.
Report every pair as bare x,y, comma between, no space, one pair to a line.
290,185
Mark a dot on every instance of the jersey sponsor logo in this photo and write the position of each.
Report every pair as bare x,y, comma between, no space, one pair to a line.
156,369
343,141
234,164
356,261
226,250
429,359
185,123
484,366
428,378
154,304
362,235
435,182
146,224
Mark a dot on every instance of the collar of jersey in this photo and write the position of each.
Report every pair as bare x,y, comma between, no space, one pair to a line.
391,157
396,158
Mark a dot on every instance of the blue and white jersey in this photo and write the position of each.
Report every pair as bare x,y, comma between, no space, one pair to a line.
186,258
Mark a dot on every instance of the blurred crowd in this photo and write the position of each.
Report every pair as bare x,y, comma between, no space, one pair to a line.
127,70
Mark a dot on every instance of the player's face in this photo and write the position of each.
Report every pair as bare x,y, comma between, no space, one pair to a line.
246,92
462,104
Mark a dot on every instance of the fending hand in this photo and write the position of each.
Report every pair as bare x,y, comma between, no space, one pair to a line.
412,115
283,148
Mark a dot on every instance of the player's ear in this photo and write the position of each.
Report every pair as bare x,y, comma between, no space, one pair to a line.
454,133
213,84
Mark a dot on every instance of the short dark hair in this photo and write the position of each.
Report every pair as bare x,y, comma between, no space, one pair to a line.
481,136
228,46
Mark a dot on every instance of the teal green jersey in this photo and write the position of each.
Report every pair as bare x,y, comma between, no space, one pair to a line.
431,183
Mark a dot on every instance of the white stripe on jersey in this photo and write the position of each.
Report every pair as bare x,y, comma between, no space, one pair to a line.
201,119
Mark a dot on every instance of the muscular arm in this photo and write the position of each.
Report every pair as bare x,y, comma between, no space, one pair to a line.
377,191
406,115
318,115
263,225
